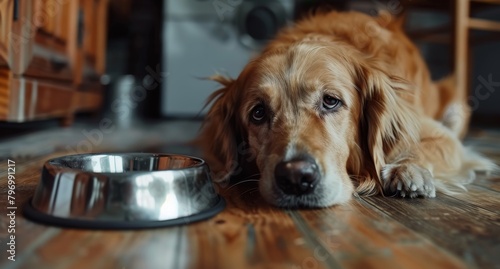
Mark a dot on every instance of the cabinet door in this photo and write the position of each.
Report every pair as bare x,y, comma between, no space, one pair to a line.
65,21
49,54
101,32
93,30
6,16
90,12
47,11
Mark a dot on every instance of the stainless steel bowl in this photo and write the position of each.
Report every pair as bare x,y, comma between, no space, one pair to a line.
113,191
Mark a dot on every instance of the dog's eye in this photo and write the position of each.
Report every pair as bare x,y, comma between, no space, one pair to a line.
258,113
330,102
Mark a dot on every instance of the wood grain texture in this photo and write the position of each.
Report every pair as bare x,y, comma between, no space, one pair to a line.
4,92
100,41
248,234
450,231
490,183
482,24
468,231
5,24
42,56
22,37
30,98
358,230
461,45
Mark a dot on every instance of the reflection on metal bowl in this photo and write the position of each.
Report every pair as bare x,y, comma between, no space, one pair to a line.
117,191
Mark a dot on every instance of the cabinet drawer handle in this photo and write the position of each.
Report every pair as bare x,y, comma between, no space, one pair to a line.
58,65
15,16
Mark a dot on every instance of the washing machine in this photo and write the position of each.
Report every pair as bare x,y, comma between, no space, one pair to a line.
207,37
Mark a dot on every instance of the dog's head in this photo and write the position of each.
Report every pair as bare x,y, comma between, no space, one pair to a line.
317,119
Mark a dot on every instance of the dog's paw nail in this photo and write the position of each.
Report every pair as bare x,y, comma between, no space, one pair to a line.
413,187
409,180
431,192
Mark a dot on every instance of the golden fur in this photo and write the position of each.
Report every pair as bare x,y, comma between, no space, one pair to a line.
395,132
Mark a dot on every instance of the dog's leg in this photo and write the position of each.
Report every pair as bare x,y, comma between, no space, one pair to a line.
417,171
456,114
456,118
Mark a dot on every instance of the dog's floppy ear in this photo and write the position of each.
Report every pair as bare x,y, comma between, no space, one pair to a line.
387,122
218,134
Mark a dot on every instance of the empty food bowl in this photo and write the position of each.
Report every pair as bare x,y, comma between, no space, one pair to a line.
124,191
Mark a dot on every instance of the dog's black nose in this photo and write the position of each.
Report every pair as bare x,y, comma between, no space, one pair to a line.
297,176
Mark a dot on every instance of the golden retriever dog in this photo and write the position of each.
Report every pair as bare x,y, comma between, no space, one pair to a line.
336,104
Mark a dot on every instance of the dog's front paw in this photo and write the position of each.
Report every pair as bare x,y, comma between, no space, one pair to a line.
408,180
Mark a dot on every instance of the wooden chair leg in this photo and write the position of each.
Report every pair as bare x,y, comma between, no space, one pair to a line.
462,46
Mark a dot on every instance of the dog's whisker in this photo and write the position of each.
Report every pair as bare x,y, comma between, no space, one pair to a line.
251,176
249,191
244,181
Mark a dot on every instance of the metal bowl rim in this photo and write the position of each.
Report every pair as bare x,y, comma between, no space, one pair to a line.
48,164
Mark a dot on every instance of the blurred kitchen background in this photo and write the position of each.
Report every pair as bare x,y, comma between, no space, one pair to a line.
204,37
156,55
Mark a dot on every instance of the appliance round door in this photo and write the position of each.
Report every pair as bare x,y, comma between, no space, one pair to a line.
260,21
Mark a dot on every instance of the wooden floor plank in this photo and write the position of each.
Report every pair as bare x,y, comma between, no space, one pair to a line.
456,231
107,249
468,231
38,241
490,183
248,234
27,234
479,196
68,248
358,236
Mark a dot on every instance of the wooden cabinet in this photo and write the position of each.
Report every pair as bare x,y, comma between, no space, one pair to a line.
92,45
5,19
52,54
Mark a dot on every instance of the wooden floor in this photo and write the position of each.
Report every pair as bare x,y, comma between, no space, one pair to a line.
460,231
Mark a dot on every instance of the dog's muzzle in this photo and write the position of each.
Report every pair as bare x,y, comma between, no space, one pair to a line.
298,176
